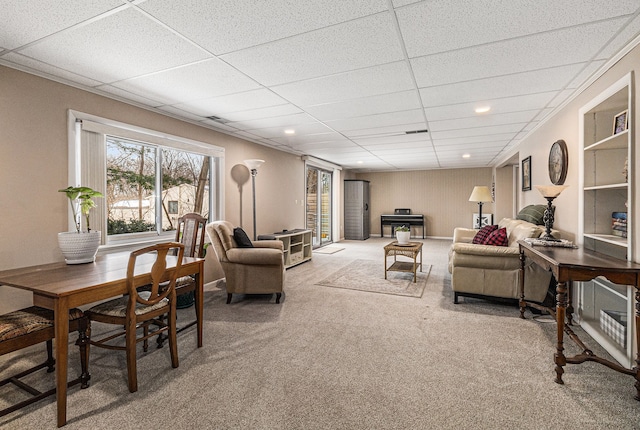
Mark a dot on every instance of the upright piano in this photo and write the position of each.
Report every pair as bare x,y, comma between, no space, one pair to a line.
401,217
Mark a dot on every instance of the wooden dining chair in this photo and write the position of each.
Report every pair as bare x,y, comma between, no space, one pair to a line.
31,326
142,309
191,233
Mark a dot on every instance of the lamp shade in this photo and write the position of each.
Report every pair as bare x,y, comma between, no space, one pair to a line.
253,163
551,191
481,194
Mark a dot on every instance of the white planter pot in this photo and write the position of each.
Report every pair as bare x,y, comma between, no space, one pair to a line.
403,237
79,248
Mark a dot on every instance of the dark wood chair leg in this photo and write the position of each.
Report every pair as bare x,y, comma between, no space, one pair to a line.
84,334
50,361
455,298
278,295
229,298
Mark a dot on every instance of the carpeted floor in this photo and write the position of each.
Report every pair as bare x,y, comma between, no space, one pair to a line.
331,358
367,276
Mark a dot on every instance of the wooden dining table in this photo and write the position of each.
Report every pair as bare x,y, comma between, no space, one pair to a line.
60,287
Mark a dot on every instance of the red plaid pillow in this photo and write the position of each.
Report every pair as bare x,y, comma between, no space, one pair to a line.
497,238
483,233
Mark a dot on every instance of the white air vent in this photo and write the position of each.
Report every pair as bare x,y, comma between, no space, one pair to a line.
416,131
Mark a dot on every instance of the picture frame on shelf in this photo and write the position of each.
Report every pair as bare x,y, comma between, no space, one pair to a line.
526,174
620,122
487,219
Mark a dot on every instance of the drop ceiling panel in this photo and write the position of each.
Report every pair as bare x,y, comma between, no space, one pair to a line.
427,26
23,22
226,26
267,112
472,140
301,129
284,121
500,105
117,47
219,106
313,139
531,82
335,49
384,131
382,79
390,118
514,56
190,82
483,121
48,69
401,101
479,131
392,139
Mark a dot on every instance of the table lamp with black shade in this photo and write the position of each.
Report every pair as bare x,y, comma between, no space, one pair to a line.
549,192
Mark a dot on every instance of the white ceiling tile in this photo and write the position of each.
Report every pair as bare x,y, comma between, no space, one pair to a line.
379,120
480,131
383,79
219,106
384,131
301,129
285,121
49,69
628,33
229,25
353,45
514,56
498,105
483,121
201,80
119,46
180,113
129,96
393,102
23,21
561,97
531,82
589,70
267,112
401,3
391,140
473,140
318,139
427,26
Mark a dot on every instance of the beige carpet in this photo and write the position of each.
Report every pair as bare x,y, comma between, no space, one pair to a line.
368,275
330,249
333,358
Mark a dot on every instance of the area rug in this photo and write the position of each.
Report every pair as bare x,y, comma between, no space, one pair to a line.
327,250
368,275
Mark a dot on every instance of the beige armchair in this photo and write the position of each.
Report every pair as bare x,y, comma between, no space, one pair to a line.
257,270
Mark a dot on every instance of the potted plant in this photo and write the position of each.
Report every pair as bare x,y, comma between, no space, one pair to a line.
403,234
80,246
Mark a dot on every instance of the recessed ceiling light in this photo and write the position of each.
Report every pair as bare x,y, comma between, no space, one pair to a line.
289,131
483,109
360,162
466,155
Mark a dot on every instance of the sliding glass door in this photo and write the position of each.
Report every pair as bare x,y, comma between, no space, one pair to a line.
318,204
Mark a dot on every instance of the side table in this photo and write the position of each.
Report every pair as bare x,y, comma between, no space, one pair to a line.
411,250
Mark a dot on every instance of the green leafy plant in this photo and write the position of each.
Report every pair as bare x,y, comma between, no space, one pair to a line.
402,228
81,200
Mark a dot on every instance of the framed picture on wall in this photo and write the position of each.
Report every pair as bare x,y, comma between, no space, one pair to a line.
487,219
526,174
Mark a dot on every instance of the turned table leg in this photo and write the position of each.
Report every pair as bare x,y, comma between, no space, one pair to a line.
561,306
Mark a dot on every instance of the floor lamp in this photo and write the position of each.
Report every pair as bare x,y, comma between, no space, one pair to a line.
480,195
253,166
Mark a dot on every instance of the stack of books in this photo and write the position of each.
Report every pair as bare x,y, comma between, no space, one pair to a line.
619,224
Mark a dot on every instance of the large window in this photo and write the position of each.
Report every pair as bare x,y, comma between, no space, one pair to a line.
149,179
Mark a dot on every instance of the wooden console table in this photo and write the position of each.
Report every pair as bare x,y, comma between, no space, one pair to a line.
567,265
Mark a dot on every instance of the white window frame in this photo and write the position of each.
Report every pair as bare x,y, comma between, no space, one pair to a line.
77,121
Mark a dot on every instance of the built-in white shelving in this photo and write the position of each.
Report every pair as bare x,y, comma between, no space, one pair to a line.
606,310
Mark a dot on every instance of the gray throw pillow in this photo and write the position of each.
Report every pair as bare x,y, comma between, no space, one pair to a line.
241,238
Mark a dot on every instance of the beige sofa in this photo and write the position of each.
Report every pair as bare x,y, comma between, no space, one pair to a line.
257,270
485,270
